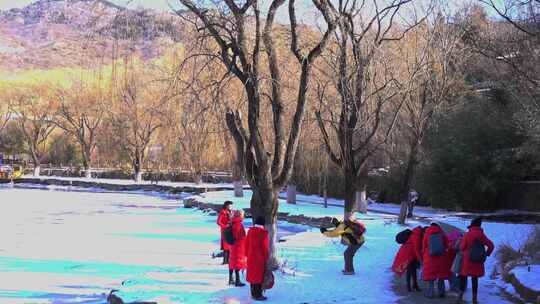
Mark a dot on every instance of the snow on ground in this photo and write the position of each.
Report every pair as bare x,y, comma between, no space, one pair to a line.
421,211
74,246
530,277
500,233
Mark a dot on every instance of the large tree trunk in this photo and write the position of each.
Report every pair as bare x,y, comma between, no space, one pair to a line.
37,162
361,190
406,182
349,192
197,177
86,161
88,172
238,176
238,188
137,168
37,169
264,202
361,200
291,194
138,176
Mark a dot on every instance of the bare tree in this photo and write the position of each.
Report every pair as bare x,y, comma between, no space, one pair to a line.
139,111
197,125
524,15
5,114
33,109
80,113
433,56
365,91
243,37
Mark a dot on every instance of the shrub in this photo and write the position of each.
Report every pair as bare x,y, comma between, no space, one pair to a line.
531,248
506,253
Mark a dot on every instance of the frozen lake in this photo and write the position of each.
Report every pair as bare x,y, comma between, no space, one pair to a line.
73,247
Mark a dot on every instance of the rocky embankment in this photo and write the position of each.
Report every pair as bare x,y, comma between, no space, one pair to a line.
301,219
116,187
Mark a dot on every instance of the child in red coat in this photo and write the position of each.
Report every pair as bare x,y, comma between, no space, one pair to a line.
237,258
471,268
223,221
257,249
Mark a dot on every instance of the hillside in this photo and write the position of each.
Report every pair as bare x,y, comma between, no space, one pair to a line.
66,33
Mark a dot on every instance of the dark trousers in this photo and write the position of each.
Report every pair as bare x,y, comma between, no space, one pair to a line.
412,275
410,208
256,290
430,292
463,286
349,255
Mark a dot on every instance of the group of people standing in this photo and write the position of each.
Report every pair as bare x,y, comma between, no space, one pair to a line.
244,251
454,257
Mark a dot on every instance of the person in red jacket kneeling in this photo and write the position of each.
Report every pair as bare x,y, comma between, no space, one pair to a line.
223,221
473,245
237,258
257,249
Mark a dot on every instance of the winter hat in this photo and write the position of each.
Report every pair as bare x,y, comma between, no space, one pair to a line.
260,221
476,222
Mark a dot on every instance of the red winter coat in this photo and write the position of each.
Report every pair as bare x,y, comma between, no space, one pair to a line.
435,267
408,252
450,256
223,220
469,268
257,249
238,258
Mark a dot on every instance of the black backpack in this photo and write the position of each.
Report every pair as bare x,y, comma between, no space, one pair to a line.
228,234
436,245
403,236
478,252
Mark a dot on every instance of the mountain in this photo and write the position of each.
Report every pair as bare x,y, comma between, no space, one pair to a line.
71,33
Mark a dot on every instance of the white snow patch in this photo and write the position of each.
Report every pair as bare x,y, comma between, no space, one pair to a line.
529,276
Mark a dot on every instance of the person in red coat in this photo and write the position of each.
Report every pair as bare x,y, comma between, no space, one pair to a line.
237,258
408,258
435,266
223,221
257,250
469,268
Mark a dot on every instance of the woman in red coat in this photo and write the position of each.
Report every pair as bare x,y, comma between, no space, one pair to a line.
223,221
435,266
257,249
408,258
237,258
469,268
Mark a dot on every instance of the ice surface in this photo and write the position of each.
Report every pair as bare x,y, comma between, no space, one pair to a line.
75,246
